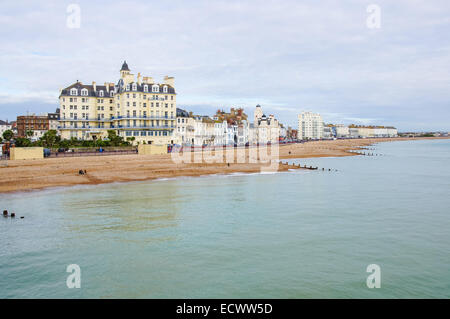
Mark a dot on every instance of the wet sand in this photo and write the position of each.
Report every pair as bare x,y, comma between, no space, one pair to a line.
51,172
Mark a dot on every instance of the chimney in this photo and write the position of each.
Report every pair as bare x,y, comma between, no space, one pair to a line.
139,78
94,85
148,80
107,86
170,80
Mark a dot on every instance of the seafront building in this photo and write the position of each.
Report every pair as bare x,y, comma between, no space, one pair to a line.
265,128
4,126
136,108
310,126
361,131
221,129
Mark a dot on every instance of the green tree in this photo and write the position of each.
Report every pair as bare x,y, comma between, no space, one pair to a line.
8,135
23,142
64,144
49,139
114,139
29,133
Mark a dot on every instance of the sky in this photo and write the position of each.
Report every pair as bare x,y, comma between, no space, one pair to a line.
336,58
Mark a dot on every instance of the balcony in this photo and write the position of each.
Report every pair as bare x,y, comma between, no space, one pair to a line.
149,127
84,120
126,117
81,127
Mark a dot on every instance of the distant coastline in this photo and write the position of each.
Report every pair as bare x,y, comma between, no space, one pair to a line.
56,172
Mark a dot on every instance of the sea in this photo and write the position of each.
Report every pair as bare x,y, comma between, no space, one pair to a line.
297,234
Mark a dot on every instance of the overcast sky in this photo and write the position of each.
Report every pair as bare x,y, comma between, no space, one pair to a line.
287,56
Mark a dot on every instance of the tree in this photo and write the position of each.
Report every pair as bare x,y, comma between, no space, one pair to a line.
22,142
8,135
49,139
64,144
114,139
29,133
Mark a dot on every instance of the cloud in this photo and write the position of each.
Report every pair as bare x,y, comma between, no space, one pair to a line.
287,56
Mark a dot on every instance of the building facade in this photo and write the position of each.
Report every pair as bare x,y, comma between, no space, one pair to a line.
32,126
310,126
265,129
4,126
136,108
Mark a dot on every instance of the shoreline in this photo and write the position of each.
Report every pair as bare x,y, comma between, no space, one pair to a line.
31,175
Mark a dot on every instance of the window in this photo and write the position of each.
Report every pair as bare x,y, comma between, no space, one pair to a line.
134,103
128,87
84,92
155,88
111,94
145,89
134,87
165,89
134,95
101,93
145,104
73,91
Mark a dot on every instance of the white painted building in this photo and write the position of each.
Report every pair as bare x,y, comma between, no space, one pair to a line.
310,126
4,126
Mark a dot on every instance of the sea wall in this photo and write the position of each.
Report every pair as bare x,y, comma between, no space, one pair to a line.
23,153
151,149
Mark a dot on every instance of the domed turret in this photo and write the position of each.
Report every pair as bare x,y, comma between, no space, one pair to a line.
124,66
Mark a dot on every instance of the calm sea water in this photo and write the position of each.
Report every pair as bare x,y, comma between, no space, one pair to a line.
302,234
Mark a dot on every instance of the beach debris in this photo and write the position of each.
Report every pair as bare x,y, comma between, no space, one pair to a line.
22,217
13,215
80,172
5,213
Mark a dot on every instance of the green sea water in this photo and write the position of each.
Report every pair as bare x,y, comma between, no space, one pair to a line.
299,234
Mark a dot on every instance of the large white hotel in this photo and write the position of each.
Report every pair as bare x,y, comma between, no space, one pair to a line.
134,107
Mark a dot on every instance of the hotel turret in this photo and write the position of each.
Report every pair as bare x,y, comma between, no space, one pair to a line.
137,108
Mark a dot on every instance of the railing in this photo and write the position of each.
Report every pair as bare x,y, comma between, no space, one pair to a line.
81,127
84,120
147,126
125,117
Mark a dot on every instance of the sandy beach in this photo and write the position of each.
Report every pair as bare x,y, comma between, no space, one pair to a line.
51,172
